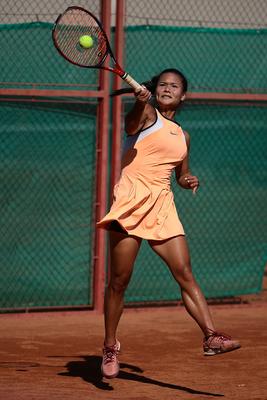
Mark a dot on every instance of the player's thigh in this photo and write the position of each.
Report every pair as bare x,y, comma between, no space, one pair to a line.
123,252
175,253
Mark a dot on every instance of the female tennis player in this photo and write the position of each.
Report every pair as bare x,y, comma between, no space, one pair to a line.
143,208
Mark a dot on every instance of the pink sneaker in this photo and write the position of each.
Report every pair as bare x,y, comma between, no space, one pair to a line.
217,343
110,365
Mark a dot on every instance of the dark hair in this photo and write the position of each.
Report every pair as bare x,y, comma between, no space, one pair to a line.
152,84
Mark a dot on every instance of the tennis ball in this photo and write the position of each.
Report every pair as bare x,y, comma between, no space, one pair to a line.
86,41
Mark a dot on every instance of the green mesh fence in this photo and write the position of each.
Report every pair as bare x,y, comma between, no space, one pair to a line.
48,151
219,45
29,56
46,199
226,221
213,59
47,169
233,53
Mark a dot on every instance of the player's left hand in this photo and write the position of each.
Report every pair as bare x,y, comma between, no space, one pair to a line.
192,182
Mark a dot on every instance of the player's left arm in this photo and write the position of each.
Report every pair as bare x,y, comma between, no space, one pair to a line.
183,174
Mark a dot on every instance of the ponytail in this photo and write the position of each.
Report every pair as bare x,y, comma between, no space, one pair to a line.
152,84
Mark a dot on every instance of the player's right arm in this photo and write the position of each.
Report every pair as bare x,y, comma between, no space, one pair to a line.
139,115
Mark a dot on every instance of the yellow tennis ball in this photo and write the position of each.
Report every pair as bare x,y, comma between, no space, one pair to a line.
86,41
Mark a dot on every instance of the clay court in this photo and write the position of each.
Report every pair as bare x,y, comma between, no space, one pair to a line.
58,355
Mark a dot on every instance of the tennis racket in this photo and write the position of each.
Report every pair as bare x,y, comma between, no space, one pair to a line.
76,23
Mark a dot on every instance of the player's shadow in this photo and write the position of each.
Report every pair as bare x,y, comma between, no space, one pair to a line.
89,369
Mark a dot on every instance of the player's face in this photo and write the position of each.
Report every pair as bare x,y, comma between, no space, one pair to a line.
169,91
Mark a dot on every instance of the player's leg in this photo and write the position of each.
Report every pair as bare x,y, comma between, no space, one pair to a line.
123,252
175,253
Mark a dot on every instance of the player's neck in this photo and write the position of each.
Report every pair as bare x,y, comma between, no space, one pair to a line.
168,113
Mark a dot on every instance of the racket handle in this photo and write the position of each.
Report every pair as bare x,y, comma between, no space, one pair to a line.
128,79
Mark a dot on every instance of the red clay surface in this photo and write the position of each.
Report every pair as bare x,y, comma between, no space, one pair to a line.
58,356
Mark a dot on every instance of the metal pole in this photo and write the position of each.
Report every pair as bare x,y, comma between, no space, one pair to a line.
117,101
99,258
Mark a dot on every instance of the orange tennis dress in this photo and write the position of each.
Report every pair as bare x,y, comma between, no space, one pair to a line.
143,203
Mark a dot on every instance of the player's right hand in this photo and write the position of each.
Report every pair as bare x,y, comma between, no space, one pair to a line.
143,96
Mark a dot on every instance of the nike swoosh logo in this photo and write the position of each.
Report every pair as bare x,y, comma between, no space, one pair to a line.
174,133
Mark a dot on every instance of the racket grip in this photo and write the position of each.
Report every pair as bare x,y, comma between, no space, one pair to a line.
128,79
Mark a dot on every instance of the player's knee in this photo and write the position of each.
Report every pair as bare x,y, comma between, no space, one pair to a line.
184,274
119,284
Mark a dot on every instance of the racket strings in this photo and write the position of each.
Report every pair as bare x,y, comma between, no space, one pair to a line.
70,27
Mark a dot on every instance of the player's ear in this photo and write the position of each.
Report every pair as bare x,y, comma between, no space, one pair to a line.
183,97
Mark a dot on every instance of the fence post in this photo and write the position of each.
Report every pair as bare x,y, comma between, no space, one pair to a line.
117,102
99,258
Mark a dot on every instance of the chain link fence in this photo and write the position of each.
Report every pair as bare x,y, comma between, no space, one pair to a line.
220,45
47,165
48,161
197,13
28,57
47,196
221,48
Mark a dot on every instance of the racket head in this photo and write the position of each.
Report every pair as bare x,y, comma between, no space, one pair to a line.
73,23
